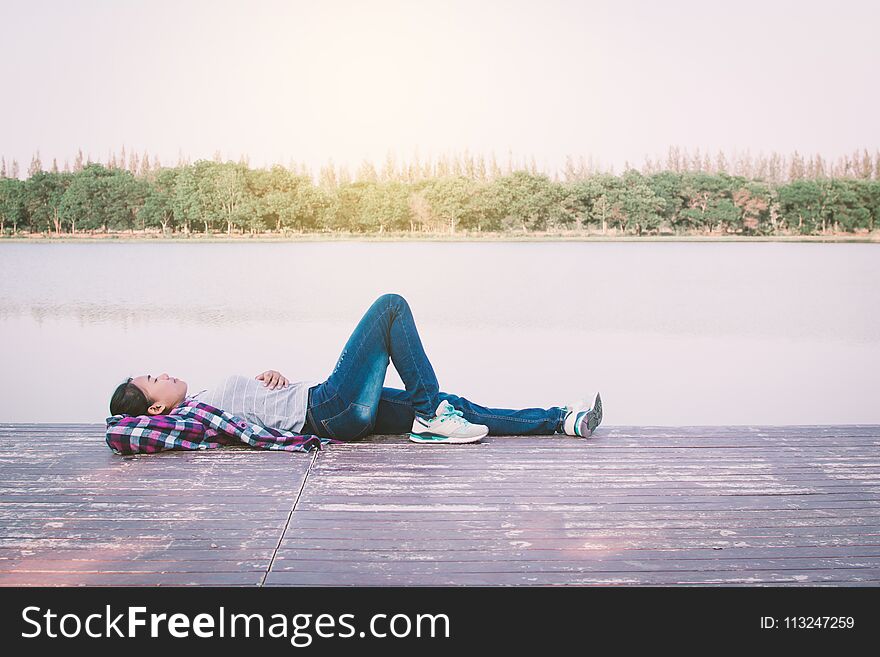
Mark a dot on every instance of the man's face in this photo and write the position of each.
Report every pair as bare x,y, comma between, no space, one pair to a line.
163,392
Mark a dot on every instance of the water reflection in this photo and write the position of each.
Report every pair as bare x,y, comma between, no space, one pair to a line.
92,313
671,333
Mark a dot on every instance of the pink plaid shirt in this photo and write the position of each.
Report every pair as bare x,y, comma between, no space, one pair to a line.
196,425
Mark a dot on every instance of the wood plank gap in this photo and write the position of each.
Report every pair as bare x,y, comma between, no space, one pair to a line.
289,516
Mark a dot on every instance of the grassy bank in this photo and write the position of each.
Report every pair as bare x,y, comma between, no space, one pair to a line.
555,236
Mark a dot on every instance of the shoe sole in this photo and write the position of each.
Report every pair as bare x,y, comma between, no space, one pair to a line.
445,440
594,416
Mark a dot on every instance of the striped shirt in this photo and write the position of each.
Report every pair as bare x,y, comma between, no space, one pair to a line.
251,399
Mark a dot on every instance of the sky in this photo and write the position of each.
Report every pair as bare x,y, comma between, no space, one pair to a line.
349,81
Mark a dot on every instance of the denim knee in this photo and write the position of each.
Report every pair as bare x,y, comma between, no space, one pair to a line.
392,298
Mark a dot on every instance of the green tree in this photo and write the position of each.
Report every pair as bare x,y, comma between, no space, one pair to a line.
802,205
845,207
452,201
606,207
723,213
530,201
231,197
701,194
87,199
349,200
869,192
125,198
669,186
43,193
640,206
290,200
186,199
489,207
158,207
387,206
13,209
207,202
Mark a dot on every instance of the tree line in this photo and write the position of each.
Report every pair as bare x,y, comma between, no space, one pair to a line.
685,194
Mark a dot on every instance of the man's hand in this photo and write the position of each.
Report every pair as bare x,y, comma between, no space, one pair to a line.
273,379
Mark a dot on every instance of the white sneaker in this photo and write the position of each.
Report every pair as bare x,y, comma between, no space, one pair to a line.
448,426
582,419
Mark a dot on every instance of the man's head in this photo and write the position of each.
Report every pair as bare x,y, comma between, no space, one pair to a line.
148,395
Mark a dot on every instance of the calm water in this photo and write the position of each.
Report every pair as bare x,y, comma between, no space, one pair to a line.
671,333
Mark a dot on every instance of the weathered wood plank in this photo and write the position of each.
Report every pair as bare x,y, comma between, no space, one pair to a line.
134,553
550,512
31,544
700,506
706,501
606,552
809,577
624,507
595,565
135,518
32,565
624,539
586,494
253,578
156,531
595,516
74,513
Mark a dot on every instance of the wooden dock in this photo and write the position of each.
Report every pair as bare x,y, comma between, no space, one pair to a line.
631,506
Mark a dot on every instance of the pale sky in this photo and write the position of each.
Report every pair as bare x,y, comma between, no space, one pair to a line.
353,80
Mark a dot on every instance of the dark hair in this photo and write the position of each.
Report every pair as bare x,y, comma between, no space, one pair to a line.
128,399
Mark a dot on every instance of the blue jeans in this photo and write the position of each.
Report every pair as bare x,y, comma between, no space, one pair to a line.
353,403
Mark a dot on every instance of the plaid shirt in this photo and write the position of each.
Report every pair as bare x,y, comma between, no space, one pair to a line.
196,425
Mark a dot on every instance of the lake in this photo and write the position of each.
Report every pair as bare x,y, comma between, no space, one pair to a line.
671,333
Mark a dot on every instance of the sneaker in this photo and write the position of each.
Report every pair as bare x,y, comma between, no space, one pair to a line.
581,420
448,426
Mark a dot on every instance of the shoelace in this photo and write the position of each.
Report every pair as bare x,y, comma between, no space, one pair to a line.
452,414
